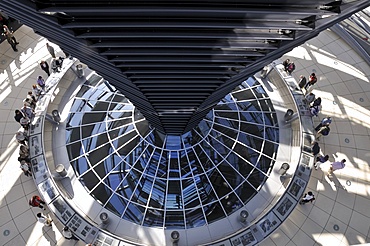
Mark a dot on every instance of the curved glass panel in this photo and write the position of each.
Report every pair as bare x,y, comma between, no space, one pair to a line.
186,181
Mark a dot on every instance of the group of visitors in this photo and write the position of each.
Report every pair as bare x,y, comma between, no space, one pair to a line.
322,129
24,117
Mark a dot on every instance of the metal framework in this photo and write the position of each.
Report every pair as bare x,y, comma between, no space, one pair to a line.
176,60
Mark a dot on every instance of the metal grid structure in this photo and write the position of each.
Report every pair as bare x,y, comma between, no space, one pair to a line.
176,60
171,181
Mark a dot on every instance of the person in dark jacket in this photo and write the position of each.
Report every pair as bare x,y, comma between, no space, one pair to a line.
18,115
317,102
302,81
45,67
285,64
315,149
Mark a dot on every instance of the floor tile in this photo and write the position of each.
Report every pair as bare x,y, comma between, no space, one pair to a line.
336,227
4,215
18,207
353,237
359,223
301,236
18,240
319,216
14,194
25,220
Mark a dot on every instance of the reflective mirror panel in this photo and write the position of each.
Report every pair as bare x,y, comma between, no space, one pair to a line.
186,181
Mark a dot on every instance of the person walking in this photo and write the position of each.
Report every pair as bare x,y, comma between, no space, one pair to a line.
44,219
36,201
51,50
45,67
312,79
67,234
308,197
319,160
337,165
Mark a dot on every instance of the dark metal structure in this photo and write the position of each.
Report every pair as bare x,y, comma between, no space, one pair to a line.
175,60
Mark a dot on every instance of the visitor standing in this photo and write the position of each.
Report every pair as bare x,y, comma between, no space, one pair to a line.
45,67
44,219
51,50
302,81
36,201
290,68
310,98
285,64
315,148
41,82
9,33
67,234
27,111
25,166
10,37
18,115
21,137
36,91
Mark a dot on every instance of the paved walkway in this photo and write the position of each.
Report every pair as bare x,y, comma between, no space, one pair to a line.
18,71
340,214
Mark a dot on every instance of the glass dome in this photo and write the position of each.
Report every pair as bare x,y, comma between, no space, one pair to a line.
170,181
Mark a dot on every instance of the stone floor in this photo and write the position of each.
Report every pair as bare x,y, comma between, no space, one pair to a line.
340,214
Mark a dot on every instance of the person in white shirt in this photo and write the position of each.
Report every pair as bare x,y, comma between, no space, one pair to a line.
67,234
308,197
44,219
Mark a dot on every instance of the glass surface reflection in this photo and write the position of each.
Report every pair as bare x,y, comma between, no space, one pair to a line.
186,181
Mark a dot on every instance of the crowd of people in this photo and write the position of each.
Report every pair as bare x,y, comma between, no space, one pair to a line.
24,117
25,114
322,129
